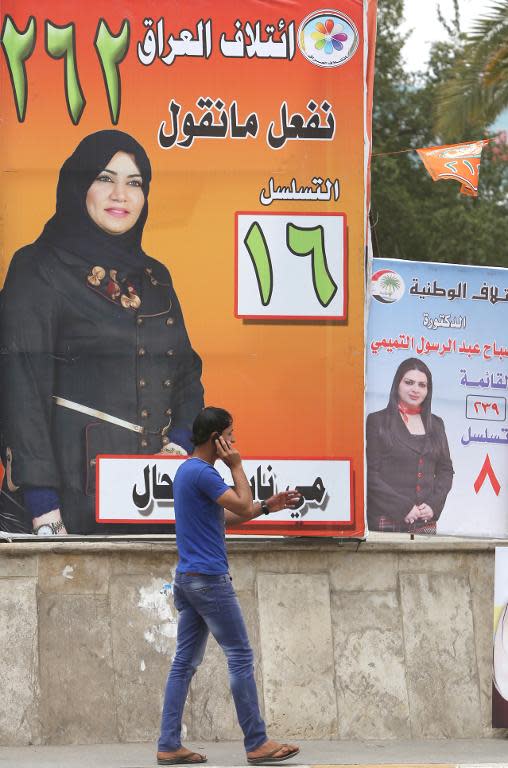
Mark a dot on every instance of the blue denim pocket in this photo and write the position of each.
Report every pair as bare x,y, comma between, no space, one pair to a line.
178,598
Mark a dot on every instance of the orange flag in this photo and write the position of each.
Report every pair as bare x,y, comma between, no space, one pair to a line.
455,161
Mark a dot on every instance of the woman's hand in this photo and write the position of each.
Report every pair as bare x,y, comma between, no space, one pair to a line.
53,518
173,449
412,515
421,512
425,512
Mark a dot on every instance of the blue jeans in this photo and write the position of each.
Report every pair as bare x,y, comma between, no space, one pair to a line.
209,604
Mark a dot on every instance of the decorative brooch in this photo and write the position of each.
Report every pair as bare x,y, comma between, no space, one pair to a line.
115,289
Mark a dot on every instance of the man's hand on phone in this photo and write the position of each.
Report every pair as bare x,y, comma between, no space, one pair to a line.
229,455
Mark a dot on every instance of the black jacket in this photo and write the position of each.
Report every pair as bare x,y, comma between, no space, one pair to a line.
406,473
63,336
87,316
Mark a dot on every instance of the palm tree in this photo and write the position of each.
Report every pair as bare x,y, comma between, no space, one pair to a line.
389,284
477,89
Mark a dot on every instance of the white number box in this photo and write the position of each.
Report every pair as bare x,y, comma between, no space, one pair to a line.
291,266
486,408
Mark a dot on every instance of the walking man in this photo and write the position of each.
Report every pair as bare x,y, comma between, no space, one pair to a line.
203,593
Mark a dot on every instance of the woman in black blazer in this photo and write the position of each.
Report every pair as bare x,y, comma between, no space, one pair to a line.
409,469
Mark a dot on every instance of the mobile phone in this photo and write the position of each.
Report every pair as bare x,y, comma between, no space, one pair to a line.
215,436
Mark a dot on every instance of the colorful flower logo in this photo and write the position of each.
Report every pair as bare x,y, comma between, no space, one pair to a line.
329,36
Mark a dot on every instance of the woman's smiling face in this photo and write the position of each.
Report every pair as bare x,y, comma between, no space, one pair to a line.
413,388
116,198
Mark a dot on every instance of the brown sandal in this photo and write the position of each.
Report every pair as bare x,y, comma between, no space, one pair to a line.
270,758
187,759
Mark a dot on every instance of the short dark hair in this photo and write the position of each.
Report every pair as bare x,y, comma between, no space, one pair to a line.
208,421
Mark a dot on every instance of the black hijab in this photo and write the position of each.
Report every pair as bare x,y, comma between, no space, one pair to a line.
72,229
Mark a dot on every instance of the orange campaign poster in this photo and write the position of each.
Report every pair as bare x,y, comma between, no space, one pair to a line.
183,223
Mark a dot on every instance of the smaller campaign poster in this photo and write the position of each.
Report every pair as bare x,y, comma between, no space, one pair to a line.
500,653
437,388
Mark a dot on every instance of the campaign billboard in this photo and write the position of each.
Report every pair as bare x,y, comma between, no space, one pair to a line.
227,270
437,383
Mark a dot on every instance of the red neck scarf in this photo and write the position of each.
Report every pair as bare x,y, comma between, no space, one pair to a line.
408,410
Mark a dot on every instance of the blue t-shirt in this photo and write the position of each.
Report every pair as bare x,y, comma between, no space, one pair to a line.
199,519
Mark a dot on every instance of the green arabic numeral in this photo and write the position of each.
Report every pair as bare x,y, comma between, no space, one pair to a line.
112,50
18,47
258,251
310,241
61,43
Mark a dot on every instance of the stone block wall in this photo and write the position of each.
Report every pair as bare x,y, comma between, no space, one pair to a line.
390,640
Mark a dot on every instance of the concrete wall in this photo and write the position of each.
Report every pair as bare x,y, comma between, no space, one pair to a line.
392,640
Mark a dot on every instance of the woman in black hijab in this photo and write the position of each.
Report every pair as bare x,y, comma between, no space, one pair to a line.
96,357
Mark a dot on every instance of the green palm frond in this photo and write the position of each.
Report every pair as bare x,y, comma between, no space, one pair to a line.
477,89
390,283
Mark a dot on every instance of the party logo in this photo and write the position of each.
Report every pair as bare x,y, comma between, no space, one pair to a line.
387,286
328,38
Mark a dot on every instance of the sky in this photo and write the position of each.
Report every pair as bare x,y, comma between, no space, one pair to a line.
421,18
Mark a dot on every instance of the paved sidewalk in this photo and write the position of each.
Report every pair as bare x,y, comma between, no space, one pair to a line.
487,753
